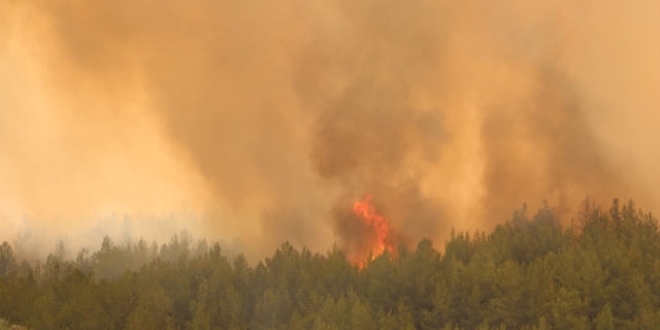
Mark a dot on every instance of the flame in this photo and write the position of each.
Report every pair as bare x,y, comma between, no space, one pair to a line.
366,211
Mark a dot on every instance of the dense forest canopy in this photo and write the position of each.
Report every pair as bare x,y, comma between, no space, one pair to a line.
600,272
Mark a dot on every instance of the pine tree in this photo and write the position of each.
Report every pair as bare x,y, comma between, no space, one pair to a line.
605,319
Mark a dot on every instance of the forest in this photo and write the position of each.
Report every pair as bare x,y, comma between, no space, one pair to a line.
600,271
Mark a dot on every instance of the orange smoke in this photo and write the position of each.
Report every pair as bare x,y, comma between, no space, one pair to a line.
377,224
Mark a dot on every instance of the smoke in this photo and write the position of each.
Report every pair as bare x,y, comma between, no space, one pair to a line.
270,118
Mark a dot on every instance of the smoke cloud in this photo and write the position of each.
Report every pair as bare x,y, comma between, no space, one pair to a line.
267,119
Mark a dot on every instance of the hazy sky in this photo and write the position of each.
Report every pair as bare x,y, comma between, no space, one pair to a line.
261,121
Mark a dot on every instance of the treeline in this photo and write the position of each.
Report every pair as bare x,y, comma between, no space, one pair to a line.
603,272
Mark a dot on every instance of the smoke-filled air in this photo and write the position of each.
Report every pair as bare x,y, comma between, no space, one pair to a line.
364,124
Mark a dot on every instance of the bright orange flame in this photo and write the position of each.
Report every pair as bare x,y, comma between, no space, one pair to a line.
366,211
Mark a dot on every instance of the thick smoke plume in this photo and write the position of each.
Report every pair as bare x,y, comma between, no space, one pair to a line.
269,118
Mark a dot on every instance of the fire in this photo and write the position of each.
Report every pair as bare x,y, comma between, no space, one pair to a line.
366,211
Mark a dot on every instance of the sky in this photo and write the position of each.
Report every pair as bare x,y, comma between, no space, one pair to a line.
255,122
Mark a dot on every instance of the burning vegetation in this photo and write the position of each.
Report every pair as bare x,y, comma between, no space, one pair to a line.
379,236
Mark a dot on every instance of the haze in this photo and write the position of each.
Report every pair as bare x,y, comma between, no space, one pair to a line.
257,122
